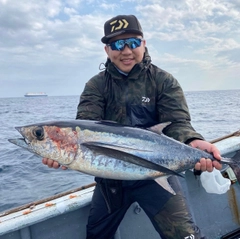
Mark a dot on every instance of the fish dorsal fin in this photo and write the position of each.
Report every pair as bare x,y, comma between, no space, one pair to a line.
105,149
158,128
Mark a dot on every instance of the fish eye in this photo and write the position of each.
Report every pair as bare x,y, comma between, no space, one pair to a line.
39,133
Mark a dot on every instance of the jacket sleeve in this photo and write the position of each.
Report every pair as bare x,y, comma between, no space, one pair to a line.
91,104
172,107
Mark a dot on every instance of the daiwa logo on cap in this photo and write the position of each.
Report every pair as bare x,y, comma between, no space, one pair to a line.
119,24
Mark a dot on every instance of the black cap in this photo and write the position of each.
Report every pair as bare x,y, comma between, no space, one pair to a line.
119,25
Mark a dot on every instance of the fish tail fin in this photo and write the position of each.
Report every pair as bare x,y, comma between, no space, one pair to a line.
234,164
236,170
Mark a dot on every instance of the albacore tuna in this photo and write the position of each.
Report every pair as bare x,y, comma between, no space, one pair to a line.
109,150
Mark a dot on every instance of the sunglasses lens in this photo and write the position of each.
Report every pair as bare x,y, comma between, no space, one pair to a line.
133,42
120,44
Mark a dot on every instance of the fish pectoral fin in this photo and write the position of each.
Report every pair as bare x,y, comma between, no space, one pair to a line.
163,182
105,149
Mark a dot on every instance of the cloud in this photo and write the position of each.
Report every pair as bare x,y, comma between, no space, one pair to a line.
59,39
232,55
107,6
202,30
28,33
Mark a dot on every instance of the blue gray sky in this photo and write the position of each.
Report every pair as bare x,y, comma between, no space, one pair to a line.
54,46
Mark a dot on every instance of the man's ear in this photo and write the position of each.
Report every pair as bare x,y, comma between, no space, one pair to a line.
106,48
144,42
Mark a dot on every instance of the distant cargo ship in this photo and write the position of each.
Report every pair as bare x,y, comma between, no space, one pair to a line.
37,94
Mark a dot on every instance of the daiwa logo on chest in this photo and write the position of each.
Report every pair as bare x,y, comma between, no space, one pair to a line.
145,99
190,237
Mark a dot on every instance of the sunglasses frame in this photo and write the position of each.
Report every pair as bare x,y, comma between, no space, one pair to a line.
128,41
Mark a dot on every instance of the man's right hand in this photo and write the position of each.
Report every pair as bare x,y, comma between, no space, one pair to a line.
52,164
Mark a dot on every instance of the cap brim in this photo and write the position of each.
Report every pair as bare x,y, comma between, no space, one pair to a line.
106,39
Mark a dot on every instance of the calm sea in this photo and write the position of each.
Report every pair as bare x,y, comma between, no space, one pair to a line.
23,178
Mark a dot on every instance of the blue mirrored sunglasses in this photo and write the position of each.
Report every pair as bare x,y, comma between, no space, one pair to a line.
119,45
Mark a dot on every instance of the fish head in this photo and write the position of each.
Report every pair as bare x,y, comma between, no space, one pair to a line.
49,141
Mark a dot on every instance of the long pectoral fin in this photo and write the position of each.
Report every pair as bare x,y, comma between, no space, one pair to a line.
105,149
162,181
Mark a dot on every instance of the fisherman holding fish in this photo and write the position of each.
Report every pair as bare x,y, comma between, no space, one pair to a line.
134,92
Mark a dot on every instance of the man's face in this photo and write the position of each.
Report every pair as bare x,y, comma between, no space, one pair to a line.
126,59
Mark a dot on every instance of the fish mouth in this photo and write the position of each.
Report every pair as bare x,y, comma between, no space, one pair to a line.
20,142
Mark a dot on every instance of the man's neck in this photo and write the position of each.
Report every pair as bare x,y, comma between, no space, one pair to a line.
122,72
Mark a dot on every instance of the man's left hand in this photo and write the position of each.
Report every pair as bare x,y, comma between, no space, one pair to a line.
207,164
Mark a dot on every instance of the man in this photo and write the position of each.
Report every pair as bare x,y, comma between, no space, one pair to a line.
133,91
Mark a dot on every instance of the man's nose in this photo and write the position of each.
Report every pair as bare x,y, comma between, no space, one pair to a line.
126,49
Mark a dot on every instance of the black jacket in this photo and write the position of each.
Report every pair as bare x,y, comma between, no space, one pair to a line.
147,96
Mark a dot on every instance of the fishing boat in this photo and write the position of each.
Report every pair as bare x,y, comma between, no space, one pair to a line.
65,215
35,94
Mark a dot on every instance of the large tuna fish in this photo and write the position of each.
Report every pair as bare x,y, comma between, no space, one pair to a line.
109,150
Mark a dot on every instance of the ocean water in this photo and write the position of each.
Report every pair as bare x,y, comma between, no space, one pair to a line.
23,178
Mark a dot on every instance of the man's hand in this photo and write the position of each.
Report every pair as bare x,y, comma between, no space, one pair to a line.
207,164
52,164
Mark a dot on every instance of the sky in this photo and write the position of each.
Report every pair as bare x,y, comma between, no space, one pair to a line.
55,46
